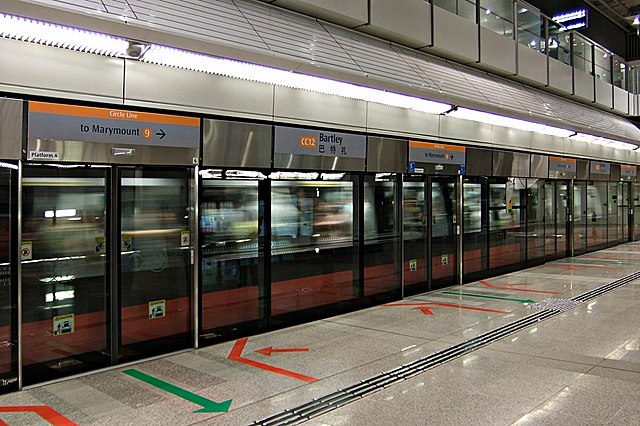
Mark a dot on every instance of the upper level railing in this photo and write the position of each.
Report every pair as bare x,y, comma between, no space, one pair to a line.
531,28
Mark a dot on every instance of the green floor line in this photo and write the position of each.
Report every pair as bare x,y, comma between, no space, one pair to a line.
208,406
488,297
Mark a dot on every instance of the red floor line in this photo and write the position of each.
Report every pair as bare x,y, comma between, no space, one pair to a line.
236,355
526,290
47,413
472,308
450,305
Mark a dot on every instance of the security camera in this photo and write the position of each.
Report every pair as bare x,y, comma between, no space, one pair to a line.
134,50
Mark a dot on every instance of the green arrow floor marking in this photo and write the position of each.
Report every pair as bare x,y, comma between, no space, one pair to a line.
208,406
488,297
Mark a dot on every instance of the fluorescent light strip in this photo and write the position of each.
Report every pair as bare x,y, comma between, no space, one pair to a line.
39,32
23,29
610,143
167,56
500,120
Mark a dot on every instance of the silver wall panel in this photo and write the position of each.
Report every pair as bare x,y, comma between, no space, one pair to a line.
621,100
615,173
348,13
310,162
583,85
547,144
532,66
465,130
511,138
634,108
41,70
158,86
560,76
497,53
479,162
302,107
11,129
511,164
386,155
582,169
454,37
101,153
407,22
604,94
539,166
235,144
401,121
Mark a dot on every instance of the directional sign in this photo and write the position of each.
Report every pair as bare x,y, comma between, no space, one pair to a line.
106,125
512,287
422,306
46,412
236,355
208,406
270,350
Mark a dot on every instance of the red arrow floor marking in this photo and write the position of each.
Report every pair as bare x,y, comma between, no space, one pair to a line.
47,413
510,287
236,355
424,310
269,350
448,305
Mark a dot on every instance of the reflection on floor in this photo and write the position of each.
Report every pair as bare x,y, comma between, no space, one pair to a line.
570,360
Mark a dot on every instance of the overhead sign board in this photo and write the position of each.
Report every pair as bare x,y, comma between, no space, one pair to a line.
628,171
572,19
600,168
560,164
290,140
428,152
104,125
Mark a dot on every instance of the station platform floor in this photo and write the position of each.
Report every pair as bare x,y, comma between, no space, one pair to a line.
554,344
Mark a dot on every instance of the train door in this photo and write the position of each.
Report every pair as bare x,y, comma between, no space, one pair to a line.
381,252
597,215
507,213
581,218
618,213
430,232
550,232
416,237
65,276
72,261
8,276
635,195
475,227
232,246
556,215
444,229
563,226
537,239
154,259
314,243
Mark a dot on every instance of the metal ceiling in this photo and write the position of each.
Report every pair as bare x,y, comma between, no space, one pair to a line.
327,49
622,12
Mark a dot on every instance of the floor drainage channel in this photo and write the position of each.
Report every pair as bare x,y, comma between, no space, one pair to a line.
341,397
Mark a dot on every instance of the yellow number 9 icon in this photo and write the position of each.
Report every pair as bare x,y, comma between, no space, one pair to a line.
147,133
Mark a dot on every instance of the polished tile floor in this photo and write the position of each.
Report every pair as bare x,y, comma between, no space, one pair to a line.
578,366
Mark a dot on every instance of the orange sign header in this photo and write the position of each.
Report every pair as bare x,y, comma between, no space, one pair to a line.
112,114
563,160
438,146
